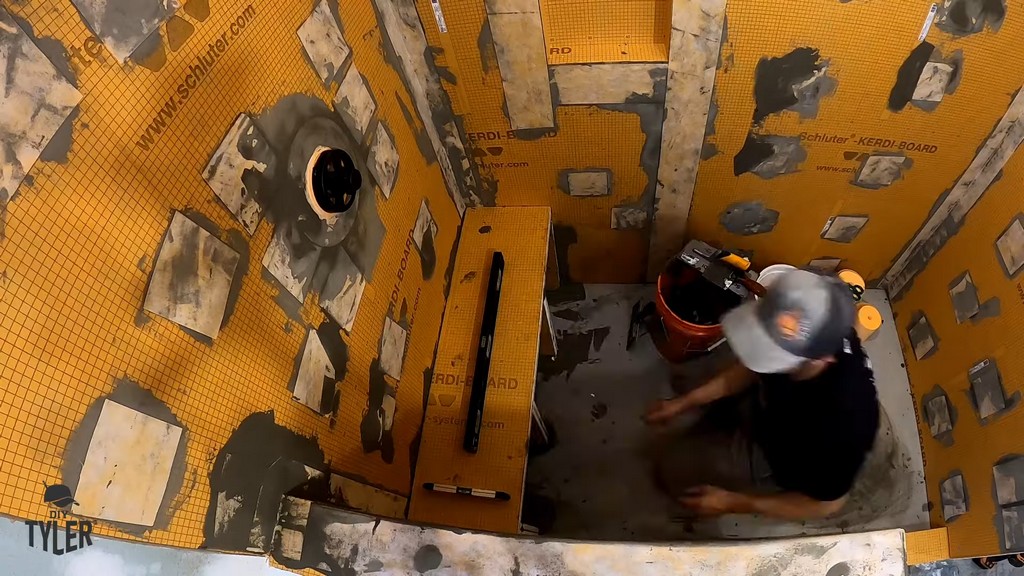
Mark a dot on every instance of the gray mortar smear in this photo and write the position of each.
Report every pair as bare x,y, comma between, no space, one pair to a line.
652,116
422,138
59,146
788,154
573,349
966,17
285,201
748,218
260,462
990,308
485,45
908,75
710,149
795,81
127,393
945,438
373,435
450,269
568,290
472,187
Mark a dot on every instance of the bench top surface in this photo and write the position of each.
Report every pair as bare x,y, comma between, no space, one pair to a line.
521,235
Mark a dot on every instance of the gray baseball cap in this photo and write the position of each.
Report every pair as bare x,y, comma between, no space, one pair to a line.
803,316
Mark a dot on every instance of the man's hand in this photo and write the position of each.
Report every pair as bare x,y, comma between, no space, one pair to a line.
664,411
712,501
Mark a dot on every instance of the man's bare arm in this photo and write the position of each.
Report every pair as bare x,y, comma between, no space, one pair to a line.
729,382
788,506
714,501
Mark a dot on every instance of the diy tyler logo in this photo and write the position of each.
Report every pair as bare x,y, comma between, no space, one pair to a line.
75,535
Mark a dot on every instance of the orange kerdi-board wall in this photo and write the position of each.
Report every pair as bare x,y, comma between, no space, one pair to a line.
942,365
81,241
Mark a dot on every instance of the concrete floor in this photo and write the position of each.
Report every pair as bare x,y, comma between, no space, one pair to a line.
599,473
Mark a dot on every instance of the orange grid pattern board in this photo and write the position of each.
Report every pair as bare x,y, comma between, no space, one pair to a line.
78,239
582,31
865,44
526,172
521,235
976,447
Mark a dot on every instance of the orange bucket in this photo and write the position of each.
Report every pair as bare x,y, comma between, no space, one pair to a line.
690,308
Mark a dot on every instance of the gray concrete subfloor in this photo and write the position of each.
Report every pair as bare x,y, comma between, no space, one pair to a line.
599,473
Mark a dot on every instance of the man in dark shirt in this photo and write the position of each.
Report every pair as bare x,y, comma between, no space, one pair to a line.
787,428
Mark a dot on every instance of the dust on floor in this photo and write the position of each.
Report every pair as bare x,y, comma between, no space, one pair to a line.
599,473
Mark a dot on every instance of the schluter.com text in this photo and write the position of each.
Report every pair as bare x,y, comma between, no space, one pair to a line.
197,73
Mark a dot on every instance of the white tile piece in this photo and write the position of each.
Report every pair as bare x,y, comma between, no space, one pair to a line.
424,223
931,85
324,43
964,295
1010,246
518,37
921,338
343,291
607,83
825,265
954,500
191,277
314,367
1013,528
844,228
590,183
123,25
293,271
35,100
880,170
356,495
383,160
243,149
392,348
1009,481
127,467
629,218
354,103
939,421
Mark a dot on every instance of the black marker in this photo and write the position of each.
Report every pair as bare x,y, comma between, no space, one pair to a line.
478,492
